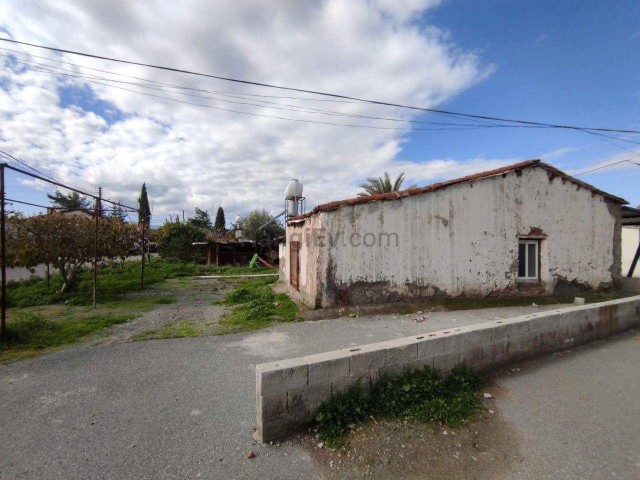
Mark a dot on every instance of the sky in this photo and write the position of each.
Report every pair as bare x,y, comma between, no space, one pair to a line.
569,62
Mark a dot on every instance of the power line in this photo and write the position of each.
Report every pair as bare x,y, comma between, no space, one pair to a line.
278,106
609,165
299,109
57,60
316,92
60,184
40,172
41,67
374,127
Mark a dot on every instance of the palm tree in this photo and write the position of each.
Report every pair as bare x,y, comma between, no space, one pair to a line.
383,184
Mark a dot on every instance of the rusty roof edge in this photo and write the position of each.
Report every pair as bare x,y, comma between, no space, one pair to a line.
326,207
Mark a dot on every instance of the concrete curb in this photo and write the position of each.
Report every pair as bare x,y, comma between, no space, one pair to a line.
289,391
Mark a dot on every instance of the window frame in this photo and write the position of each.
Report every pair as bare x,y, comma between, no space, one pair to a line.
526,242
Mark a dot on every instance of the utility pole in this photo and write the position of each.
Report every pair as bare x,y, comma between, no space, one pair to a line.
3,254
95,247
144,222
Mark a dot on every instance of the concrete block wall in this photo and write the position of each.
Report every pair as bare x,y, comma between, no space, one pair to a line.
289,391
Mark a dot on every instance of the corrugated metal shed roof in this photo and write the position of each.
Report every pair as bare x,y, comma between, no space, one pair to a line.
325,207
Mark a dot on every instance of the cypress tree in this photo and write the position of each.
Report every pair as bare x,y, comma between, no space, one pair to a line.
219,225
144,211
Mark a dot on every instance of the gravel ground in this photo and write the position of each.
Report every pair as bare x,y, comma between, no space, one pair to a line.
193,301
185,408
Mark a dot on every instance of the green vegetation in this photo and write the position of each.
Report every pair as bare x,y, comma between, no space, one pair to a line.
33,330
175,241
420,394
376,186
115,281
257,306
180,329
41,318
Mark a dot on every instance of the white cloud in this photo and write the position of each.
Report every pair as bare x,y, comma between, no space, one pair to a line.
191,156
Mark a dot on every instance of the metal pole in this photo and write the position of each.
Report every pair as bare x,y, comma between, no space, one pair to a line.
95,249
3,254
142,265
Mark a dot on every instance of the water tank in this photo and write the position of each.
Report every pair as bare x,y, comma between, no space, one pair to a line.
292,207
294,189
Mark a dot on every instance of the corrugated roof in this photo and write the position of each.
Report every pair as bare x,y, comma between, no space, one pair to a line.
325,207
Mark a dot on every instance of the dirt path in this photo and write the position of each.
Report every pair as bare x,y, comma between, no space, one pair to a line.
484,449
194,301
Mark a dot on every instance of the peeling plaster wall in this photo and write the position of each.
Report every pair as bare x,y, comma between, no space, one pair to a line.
459,240
311,253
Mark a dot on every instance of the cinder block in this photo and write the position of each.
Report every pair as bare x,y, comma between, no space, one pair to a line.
276,429
400,351
432,345
390,370
304,401
324,367
366,358
281,376
530,343
419,364
444,363
473,357
497,353
272,406
476,335
509,328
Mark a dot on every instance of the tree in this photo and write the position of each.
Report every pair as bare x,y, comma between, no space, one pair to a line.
69,201
118,213
201,220
374,186
175,241
220,224
144,211
254,220
66,242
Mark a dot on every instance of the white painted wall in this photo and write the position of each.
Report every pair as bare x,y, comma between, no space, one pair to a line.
630,240
463,240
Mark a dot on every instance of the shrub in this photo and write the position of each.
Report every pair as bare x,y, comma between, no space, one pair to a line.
420,394
334,418
175,241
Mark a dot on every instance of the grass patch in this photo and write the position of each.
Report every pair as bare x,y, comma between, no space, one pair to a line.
178,329
423,395
115,280
31,332
35,330
255,305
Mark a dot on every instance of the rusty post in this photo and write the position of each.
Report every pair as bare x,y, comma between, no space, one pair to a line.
3,254
95,248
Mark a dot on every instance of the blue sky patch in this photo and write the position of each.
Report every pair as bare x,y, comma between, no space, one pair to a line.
85,98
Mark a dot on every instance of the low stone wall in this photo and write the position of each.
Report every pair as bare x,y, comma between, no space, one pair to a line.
289,391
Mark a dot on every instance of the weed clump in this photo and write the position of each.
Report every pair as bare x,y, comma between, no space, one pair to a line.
256,305
422,394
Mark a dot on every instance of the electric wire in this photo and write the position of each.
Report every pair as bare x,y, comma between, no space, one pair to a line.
315,92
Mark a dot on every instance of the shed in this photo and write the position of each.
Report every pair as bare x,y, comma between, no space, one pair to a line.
228,251
523,229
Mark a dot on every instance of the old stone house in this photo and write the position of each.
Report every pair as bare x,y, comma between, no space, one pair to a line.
527,228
